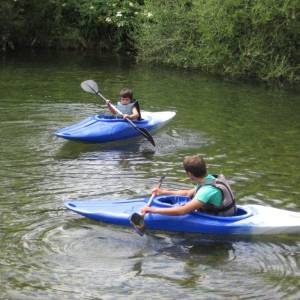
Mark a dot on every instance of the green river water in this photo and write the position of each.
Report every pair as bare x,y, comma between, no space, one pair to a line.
248,132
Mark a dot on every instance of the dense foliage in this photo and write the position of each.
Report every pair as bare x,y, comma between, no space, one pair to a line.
237,38
101,24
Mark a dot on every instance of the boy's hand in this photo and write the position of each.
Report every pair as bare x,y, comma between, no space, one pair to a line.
157,191
146,209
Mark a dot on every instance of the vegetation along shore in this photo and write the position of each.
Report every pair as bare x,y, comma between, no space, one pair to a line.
244,39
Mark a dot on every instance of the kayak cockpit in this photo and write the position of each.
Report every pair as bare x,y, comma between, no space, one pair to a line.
115,118
168,201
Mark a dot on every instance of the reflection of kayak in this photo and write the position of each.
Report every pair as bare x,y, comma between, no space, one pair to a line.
249,220
106,128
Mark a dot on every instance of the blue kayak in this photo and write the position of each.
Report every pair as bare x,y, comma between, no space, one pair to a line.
249,219
108,128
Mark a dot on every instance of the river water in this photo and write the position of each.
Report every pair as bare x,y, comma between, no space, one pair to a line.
248,132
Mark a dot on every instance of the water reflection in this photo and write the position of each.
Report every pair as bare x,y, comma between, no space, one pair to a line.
125,149
191,262
183,261
167,142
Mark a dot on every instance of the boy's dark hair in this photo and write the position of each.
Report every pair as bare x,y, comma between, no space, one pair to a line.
196,165
126,93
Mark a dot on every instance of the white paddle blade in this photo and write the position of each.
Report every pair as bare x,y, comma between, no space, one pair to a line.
89,86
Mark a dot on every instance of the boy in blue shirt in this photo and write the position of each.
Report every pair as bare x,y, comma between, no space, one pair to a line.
212,194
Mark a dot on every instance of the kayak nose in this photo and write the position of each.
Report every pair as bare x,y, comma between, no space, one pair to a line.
62,134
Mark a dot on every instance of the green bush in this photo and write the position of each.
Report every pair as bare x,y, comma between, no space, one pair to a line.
237,38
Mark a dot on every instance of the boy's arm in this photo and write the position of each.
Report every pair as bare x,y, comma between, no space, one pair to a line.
188,193
175,210
110,107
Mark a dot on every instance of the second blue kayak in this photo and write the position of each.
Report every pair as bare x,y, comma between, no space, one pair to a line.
249,219
107,128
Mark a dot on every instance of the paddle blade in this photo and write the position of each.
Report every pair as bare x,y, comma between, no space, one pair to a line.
90,86
146,134
138,223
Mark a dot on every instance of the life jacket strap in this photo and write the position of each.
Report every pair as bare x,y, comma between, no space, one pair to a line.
137,106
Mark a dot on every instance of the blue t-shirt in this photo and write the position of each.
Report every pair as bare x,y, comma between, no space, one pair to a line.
208,193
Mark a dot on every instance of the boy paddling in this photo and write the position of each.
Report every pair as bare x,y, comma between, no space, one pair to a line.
212,194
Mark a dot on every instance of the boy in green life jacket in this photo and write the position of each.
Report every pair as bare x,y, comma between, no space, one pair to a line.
129,108
212,194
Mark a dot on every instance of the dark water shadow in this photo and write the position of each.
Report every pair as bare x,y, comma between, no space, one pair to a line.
186,247
75,150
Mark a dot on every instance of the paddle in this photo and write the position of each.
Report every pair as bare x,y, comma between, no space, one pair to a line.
137,220
91,86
